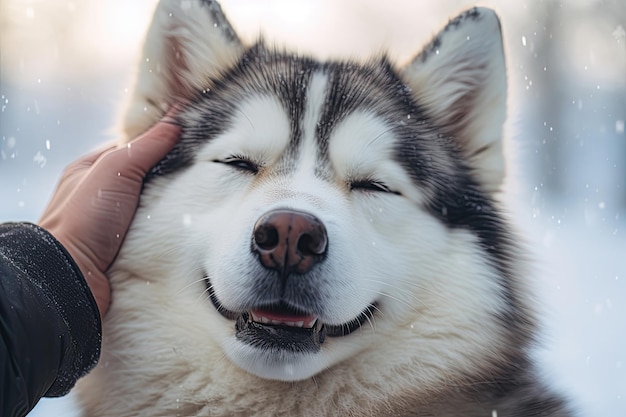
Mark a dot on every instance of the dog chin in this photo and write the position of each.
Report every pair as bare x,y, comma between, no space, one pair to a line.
279,366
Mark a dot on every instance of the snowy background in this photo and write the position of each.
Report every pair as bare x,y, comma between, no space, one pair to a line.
65,65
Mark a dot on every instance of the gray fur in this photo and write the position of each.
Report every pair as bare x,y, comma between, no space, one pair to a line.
444,163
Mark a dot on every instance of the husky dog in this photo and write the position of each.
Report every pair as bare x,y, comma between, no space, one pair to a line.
324,240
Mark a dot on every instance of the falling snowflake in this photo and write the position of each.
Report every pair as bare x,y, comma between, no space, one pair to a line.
40,159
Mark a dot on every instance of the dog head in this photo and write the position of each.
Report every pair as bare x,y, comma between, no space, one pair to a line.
314,209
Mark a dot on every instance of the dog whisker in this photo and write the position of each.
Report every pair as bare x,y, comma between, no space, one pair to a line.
247,118
190,284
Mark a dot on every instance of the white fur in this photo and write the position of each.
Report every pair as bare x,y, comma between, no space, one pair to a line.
167,351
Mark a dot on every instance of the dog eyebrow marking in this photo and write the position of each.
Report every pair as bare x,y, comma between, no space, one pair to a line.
353,86
284,76
260,130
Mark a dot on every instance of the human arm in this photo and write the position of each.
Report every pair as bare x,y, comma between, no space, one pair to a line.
49,322
53,287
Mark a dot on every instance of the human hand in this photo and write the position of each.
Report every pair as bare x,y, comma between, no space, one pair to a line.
96,199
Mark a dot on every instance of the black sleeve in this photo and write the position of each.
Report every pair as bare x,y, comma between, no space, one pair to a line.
50,330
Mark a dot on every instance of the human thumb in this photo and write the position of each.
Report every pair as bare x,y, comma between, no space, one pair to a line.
143,152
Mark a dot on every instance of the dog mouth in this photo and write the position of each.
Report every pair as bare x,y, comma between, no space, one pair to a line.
282,327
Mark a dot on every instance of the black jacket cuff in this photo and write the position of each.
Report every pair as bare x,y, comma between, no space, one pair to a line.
50,321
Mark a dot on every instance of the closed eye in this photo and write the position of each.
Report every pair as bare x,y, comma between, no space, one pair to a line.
240,163
371,186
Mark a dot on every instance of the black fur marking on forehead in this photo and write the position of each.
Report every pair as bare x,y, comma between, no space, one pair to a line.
260,71
281,75
373,87
377,89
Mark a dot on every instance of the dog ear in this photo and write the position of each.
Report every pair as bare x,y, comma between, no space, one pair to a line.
460,80
189,42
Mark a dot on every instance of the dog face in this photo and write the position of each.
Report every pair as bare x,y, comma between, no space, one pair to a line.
313,209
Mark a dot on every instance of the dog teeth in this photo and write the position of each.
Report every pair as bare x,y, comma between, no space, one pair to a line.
258,319
265,320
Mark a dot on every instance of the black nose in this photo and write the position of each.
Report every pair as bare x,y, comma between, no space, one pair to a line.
289,241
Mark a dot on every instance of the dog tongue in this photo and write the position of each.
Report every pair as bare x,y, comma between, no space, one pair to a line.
277,318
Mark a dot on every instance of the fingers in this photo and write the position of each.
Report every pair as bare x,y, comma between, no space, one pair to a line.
113,166
137,158
93,156
74,172
96,199
149,148
89,159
